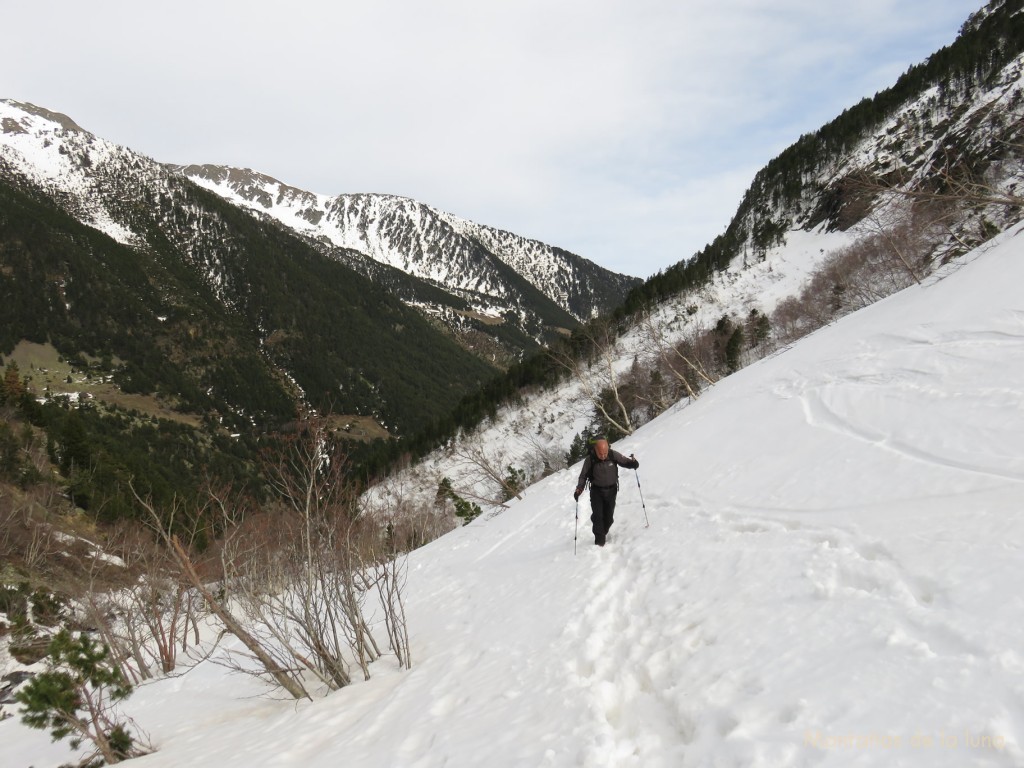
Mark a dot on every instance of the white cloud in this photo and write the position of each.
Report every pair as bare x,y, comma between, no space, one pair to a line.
593,125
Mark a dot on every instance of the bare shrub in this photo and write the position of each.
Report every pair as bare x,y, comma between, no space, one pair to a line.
904,237
953,180
295,575
148,622
686,360
220,605
539,459
895,251
389,576
408,523
592,363
308,609
484,476
789,320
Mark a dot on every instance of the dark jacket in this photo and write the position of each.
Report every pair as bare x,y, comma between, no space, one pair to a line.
604,474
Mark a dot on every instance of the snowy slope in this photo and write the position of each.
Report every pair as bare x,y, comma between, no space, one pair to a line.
70,164
955,130
545,421
829,578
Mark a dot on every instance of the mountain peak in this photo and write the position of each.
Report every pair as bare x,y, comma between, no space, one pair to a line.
11,124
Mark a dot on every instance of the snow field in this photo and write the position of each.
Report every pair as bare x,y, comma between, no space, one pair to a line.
829,579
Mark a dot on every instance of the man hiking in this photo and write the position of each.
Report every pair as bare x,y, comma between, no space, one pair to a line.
601,468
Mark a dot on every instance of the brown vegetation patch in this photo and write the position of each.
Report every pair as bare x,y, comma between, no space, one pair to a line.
48,372
361,428
485,319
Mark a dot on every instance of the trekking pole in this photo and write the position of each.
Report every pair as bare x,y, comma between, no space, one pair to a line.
648,522
577,533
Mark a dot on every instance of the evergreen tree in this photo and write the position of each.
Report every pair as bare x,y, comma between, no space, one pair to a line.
463,509
734,350
579,446
758,328
74,697
514,483
13,389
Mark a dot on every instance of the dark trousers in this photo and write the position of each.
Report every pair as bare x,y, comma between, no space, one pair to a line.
602,504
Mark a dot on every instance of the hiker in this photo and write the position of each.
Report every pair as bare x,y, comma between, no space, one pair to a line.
601,468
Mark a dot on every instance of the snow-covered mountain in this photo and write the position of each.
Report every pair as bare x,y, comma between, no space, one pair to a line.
828,578
955,119
480,264
202,304
949,121
75,167
500,294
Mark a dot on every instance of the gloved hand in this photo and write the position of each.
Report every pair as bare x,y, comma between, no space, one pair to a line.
576,494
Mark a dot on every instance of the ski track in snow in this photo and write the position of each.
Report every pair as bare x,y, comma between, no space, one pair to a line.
832,405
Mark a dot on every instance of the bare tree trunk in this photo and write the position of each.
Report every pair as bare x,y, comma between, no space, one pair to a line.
390,578
486,467
675,359
282,676
601,347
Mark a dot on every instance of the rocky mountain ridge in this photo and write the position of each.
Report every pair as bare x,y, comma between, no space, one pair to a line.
497,272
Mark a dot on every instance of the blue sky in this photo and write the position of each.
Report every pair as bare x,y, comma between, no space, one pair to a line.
623,131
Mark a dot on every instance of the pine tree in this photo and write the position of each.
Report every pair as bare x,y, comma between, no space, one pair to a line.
13,388
464,509
74,698
514,483
734,350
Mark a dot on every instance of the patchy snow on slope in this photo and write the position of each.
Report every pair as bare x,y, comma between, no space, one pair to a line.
829,578
57,156
272,190
467,259
544,422
920,132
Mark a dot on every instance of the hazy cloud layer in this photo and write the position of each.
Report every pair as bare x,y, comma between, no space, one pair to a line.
624,131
